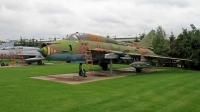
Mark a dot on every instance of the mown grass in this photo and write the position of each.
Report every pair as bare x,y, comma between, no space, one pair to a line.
174,89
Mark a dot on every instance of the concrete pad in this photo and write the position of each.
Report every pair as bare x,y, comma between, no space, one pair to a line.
74,78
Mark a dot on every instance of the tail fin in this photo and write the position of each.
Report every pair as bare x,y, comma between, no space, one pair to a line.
146,42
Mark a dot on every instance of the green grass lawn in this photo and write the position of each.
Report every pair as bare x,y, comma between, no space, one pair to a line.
173,89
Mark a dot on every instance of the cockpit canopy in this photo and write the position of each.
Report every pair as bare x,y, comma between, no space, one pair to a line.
77,36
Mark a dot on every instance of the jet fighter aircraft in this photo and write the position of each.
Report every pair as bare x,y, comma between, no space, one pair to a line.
2,45
85,47
29,54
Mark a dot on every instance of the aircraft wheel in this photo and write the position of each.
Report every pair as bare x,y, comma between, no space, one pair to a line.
138,70
39,62
68,61
29,63
2,64
104,66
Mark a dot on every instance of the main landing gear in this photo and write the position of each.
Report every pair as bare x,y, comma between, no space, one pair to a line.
104,66
39,62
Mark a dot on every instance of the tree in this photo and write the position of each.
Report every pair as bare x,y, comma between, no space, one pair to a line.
136,39
172,52
142,36
160,44
195,46
187,45
171,38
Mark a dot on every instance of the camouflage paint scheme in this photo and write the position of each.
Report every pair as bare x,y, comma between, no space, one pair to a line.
69,49
147,42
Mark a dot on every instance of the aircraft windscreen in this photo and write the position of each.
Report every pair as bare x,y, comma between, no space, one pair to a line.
82,36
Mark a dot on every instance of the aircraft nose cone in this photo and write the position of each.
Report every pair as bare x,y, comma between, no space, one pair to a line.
41,50
47,50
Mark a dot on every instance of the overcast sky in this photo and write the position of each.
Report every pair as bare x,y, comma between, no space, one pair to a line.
120,18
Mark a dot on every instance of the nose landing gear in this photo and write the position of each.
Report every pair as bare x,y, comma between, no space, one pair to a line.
82,72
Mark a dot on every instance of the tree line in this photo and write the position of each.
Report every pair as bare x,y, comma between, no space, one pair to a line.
186,45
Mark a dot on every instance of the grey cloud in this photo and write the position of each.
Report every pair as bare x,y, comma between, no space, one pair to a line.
16,5
109,20
46,19
179,3
50,8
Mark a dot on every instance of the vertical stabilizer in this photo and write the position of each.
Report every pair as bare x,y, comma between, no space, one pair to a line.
146,42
